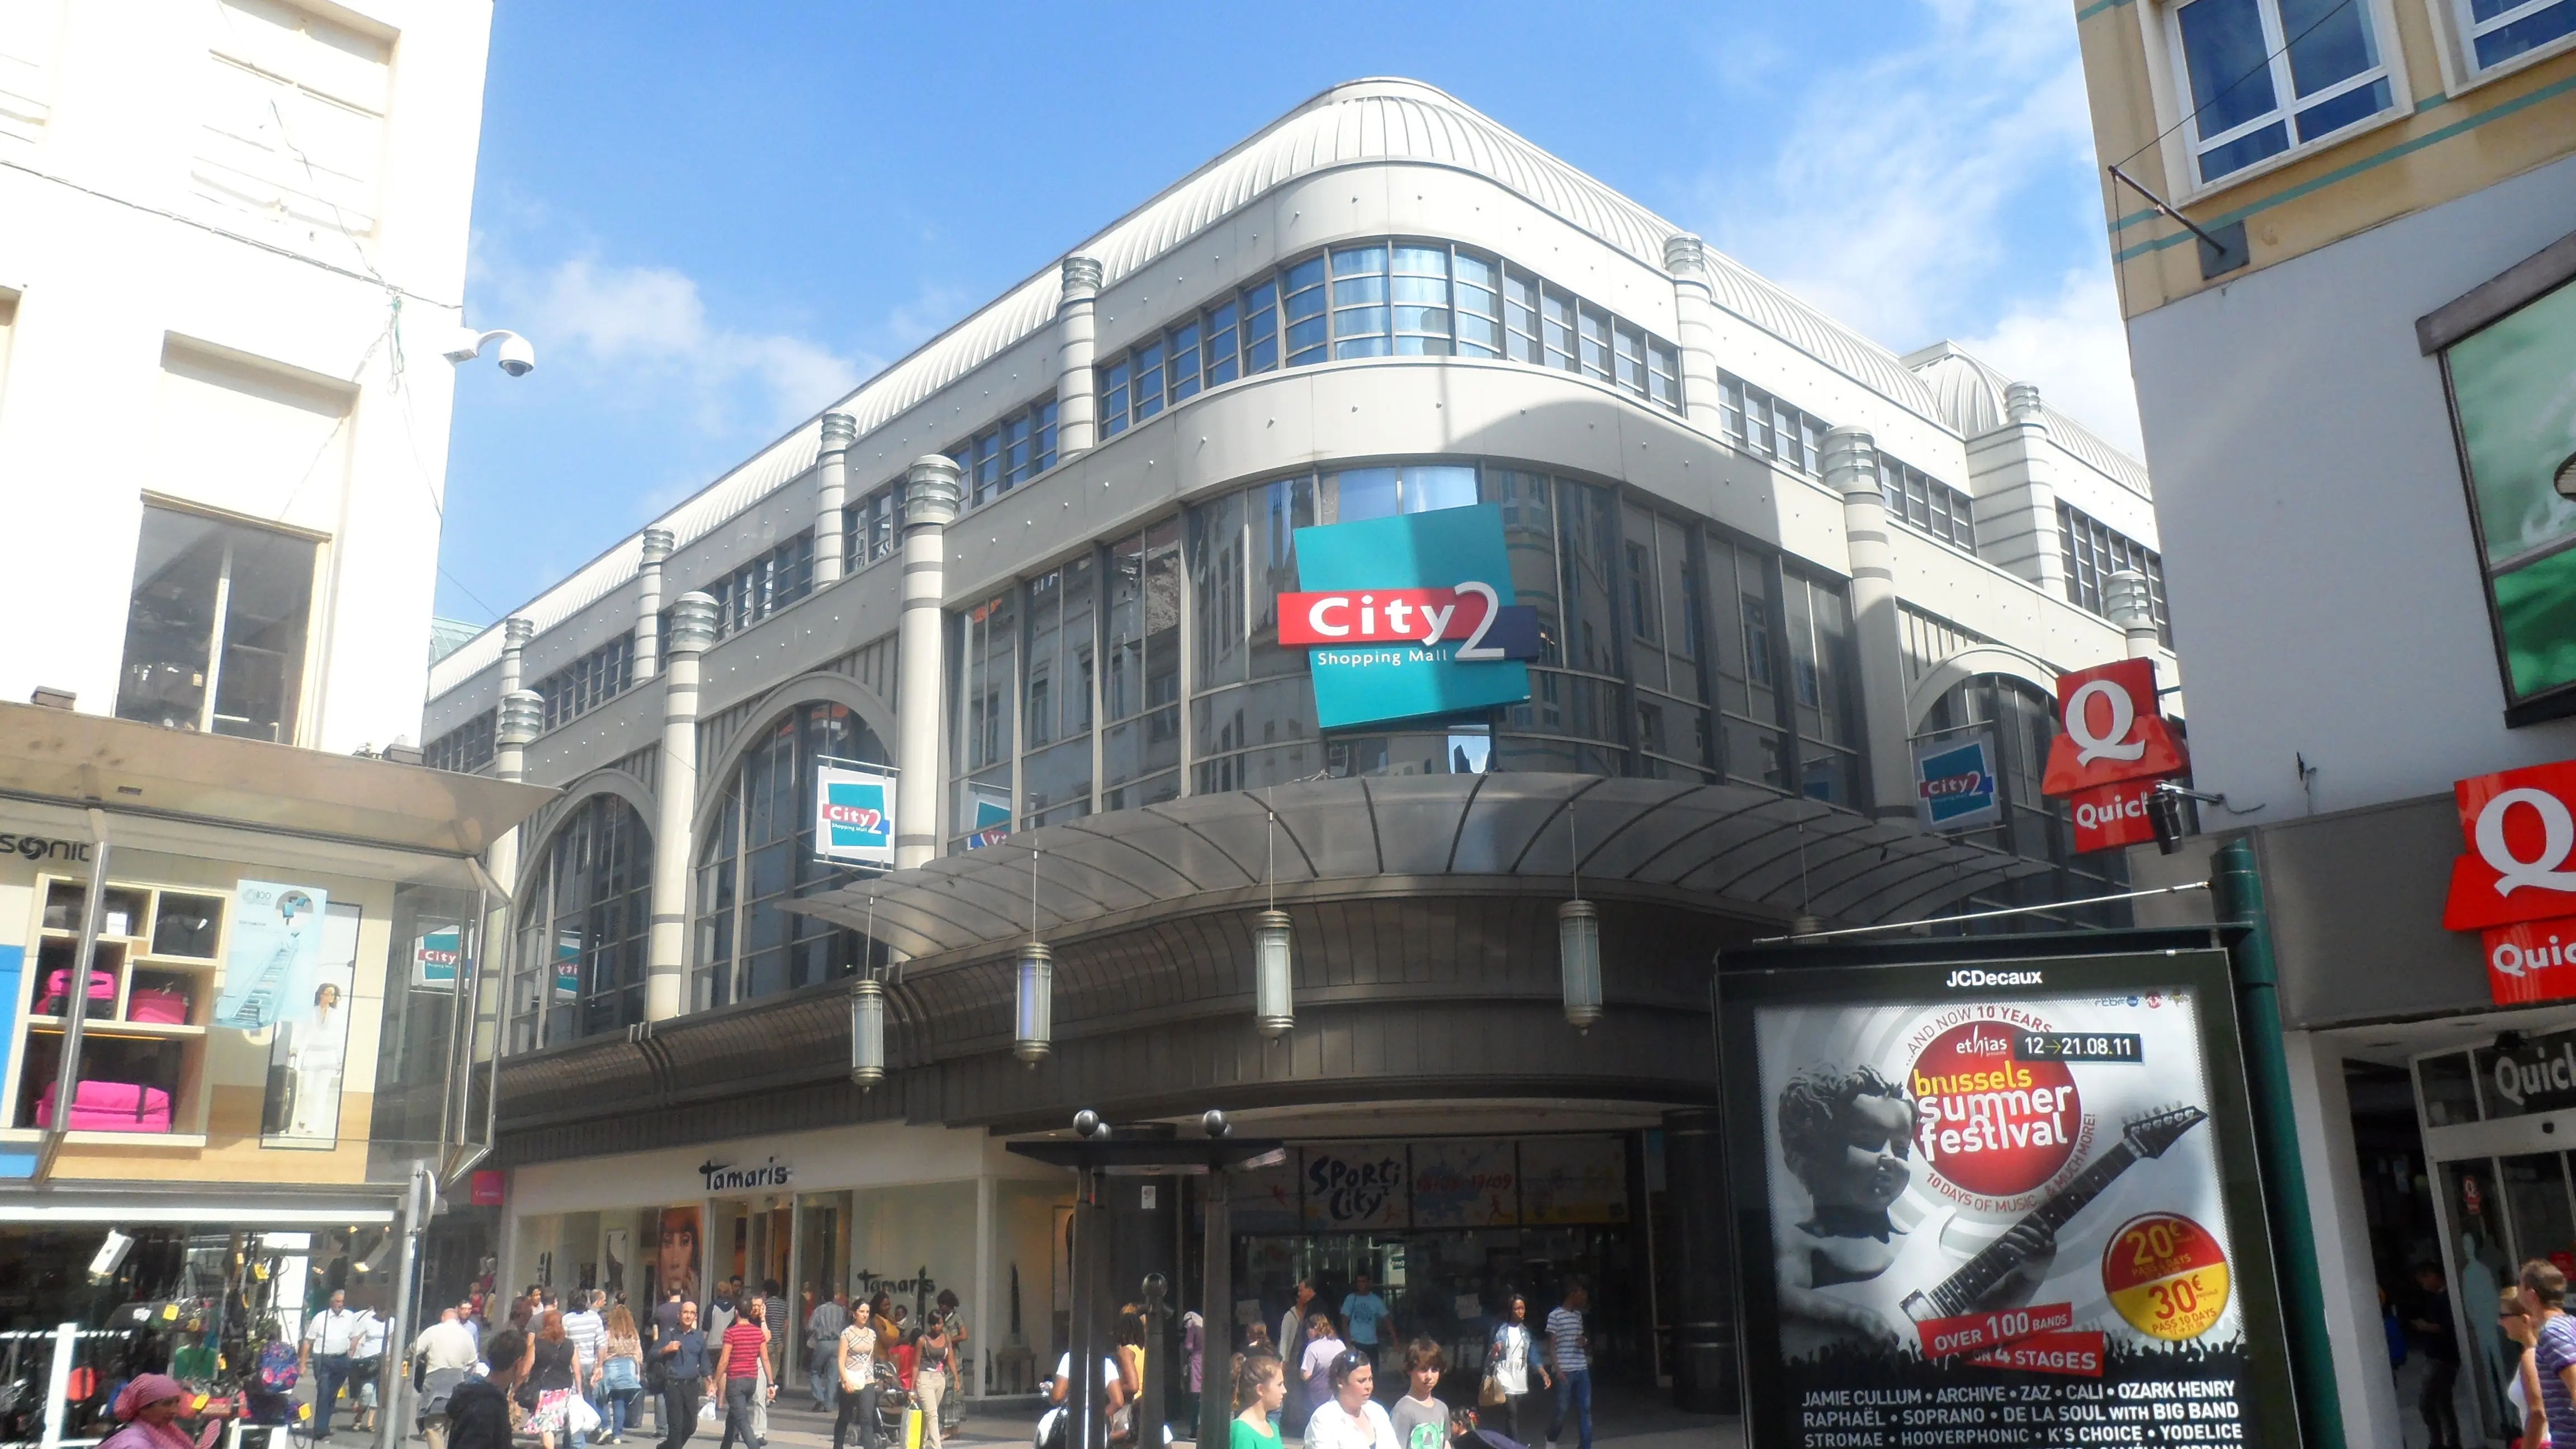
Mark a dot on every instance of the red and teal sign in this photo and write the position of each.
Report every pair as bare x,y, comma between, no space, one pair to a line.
1409,618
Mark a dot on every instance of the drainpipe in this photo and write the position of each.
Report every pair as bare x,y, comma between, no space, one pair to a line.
2238,887
666,968
1077,401
831,482
929,504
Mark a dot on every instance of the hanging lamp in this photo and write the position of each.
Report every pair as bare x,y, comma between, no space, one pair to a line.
1274,1002
1033,1021
867,1013
1578,942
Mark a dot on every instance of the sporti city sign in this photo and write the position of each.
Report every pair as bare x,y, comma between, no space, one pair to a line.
2516,882
2112,748
1409,617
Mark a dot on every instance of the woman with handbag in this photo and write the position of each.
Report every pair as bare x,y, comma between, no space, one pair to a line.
1508,1363
621,1373
551,1378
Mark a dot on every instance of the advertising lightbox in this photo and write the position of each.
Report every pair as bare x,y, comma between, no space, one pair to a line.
2008,1203
1409,617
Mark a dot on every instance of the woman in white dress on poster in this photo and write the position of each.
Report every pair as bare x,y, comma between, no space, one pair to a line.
315,1054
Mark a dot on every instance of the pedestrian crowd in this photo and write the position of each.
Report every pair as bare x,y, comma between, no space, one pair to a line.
568,1375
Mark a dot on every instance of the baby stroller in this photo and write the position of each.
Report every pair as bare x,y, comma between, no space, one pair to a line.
893,1402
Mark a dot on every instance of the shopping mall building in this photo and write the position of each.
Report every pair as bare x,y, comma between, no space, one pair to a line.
1035,568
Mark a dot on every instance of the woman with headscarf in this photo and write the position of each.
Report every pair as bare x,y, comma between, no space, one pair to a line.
150,1408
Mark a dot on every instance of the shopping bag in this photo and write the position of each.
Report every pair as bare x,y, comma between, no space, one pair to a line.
912,1429
579,1416
707,1412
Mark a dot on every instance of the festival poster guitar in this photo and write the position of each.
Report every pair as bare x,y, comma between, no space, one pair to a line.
1997,1219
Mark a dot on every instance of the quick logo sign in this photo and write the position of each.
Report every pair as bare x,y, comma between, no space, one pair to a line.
1409,617
2112,747
2515,882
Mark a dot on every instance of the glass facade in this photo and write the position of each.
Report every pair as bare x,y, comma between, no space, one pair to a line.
583,919
2035,826
758,853
1668,648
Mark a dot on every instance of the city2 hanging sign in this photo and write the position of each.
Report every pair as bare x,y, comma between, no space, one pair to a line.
2516,883
2113,747
854,815
1409,617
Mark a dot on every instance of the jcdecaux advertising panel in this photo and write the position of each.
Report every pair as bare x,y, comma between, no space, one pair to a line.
1409,617
2005,1203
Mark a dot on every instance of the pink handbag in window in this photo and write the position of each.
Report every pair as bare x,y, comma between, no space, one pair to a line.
110,1107
102,990
162,1006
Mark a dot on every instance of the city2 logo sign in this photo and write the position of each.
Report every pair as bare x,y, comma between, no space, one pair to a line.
2112,747
1954,784
2514,884
1409,617
853,816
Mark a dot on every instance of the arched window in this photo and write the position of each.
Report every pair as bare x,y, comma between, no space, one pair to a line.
583,915
759,853
2022,721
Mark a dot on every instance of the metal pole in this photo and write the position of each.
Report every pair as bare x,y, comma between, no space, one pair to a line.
1082,1398
58,1384
1150,1418
1216,1291
416,1210
76,996
2238,885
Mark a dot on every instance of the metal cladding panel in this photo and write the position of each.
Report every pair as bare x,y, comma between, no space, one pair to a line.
2356,907
1417,822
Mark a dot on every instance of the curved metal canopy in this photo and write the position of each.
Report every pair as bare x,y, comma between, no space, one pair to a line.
1772,853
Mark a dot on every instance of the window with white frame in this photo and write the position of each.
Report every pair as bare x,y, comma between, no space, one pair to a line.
2263,77
293,108
2496,32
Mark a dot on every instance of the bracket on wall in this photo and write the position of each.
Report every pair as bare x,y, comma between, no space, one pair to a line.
2221,251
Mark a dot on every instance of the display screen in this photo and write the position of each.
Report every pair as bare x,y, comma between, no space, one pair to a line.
2002,1206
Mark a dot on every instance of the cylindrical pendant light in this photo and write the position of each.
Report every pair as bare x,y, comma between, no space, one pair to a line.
1578,941
1578,951
1273,1000
867,1032
1033,1031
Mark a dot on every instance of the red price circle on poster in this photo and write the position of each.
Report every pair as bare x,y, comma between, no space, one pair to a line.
1989,1124
2167,1275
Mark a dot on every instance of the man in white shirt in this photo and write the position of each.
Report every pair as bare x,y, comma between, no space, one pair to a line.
366,1365
447,1353
587,1330
330,1347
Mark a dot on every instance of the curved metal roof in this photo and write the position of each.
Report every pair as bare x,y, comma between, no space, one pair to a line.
1356,122
1967,392
1726,843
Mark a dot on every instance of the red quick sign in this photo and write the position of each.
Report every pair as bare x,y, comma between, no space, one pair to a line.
1392,616
2516,883
2112,747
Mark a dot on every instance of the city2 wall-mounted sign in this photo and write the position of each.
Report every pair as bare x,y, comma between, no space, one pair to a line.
1409,617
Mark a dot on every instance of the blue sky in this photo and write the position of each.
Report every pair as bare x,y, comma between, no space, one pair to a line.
714,219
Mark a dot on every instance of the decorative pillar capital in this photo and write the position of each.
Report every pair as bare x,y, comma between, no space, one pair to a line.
1851,462
930,492
2125,600
523,714
657,544
839,429
2021,404
1081,278
1686,257
693,623
517,630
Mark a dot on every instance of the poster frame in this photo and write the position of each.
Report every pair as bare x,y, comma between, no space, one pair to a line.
1899,974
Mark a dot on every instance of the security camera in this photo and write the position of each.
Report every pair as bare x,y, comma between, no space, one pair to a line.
517,358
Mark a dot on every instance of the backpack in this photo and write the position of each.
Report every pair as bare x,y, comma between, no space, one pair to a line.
277,1370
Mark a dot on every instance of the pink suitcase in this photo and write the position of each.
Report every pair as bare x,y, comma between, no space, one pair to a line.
110,1107
102,990
162,1005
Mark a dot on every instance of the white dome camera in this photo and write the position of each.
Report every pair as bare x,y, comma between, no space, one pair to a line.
516,356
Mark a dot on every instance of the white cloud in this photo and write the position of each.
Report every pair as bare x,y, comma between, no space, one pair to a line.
1944,187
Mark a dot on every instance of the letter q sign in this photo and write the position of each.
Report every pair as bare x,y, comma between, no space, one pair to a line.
2519,828
2109,729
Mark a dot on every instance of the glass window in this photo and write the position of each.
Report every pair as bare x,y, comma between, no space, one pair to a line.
761,854
1042,422
1061,609
587,682
1556,328
2503,30
1359,302
2265,75
1520,315
987,473
1184,341
1222,343
1480,332
1140,746
1250,737
1587,524
1149,379
2035,826
1421,293
986,686
1595,327
1307,323
586,914
1113,398
1018,462
1752,744
215,627
764,586
1825,681
1628,358
1273,512
1261,327
1528,504
1663,374
1217,592
2092,553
